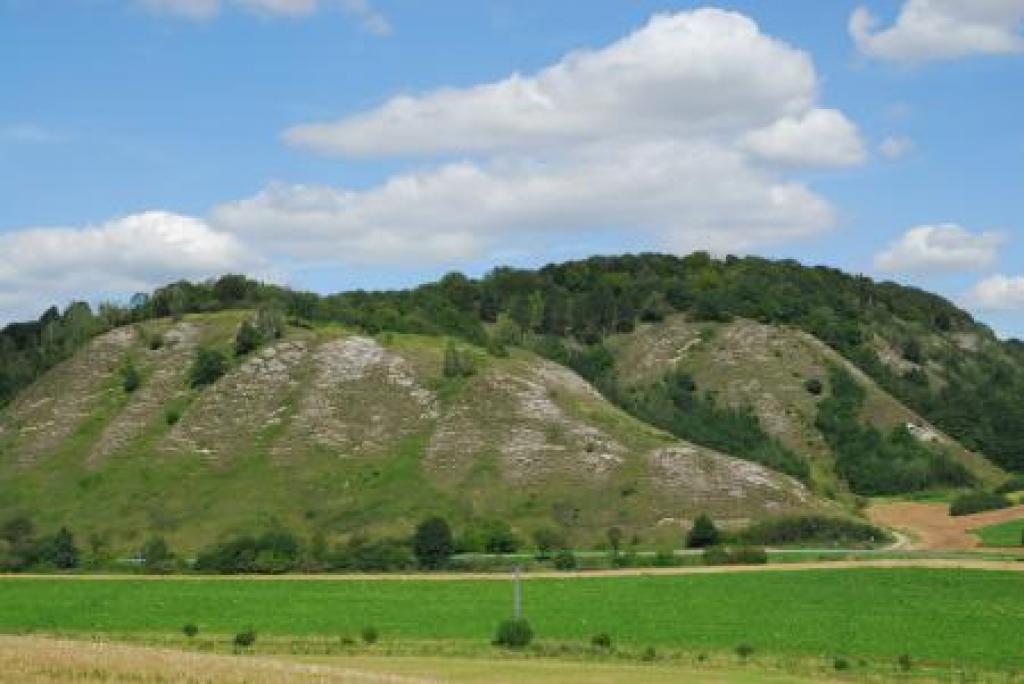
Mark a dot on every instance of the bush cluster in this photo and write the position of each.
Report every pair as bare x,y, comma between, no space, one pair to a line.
976,502
565,560
273,552
157,557
21,549
740,555
493,535
816,529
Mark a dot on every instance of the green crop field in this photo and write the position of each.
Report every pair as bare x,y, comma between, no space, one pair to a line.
973,618
1004,534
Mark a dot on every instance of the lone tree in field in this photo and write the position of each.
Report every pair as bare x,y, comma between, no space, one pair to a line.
703,533
432,543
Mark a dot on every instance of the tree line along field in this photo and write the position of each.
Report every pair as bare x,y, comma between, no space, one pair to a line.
965,618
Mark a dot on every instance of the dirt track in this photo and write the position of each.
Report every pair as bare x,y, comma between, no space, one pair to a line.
931,528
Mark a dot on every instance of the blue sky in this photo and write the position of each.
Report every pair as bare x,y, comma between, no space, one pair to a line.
145,140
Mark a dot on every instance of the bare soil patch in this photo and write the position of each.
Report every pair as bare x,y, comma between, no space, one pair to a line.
933,529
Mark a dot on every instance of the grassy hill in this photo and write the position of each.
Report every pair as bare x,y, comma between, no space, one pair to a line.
633,391
334,431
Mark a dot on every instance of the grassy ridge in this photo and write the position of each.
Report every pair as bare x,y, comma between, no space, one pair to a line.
937,616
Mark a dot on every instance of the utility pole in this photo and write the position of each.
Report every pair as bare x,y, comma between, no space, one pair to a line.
517,594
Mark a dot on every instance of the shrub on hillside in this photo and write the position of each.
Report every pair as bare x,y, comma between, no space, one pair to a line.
361,554
247,339
207,367
814,386
816,529
17,544
190,629
602,641
157,556
565,560
741,555
370,634
271,553
976,502
547,540
130,378
457,362
490,535
703,533
514,634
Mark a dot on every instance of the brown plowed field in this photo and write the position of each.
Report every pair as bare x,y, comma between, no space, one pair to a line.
932,528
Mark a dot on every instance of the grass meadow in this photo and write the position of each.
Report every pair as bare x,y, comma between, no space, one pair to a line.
968,618
1007,534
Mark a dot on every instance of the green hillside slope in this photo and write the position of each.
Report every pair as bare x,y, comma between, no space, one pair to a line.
594,380
770,369
329,431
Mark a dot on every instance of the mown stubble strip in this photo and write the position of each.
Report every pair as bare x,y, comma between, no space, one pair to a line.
37,660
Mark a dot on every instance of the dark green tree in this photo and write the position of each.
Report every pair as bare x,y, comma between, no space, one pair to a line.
703,533
432,543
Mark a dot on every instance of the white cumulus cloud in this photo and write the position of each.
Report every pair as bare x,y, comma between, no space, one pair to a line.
701,73
940,248
999,293
941,29
821,137
44,266
674,196
682,133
